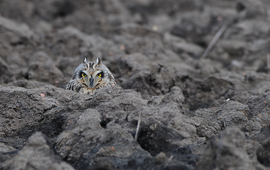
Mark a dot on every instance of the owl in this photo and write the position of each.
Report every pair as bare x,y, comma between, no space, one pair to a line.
90,76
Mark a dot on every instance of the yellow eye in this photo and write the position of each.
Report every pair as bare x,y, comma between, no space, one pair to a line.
99,75
83,74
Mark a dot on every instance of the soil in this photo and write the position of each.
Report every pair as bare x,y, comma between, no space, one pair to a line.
193,112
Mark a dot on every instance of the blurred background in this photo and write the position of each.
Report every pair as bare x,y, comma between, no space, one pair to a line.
216,52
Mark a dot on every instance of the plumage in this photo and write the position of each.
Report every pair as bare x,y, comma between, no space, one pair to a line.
90,76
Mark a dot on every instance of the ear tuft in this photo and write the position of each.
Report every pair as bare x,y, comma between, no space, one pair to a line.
98,60
85,61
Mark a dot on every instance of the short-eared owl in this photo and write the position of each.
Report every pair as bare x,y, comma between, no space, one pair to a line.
90,76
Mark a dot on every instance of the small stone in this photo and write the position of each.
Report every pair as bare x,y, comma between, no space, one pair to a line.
161,158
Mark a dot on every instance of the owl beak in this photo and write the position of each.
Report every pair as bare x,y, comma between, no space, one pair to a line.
91,82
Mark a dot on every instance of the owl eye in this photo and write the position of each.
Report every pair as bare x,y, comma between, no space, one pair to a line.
99,75
83,74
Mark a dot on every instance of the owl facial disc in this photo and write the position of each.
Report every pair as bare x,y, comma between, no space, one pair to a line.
90,76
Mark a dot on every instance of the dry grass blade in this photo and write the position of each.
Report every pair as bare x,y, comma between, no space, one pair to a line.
138,127
214,41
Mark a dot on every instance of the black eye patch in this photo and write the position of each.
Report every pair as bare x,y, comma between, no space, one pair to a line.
101,74
82,74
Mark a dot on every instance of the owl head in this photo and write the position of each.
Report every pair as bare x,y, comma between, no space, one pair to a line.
90,76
